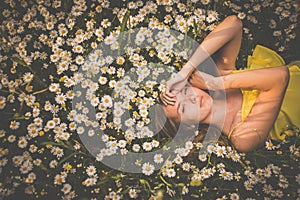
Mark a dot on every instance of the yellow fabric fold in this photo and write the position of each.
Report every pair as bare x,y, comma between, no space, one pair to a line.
262,57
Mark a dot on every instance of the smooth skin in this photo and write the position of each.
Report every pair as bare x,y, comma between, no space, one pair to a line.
225,41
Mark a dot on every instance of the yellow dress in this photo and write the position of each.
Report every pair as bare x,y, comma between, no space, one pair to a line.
289,115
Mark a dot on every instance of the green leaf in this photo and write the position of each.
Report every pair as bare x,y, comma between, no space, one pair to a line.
18,60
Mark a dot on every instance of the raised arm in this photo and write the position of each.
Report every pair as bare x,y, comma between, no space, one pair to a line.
271,79
225,41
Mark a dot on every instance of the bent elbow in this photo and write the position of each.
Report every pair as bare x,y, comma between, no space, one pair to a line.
236,22
242,149
282,77
242,144
285,75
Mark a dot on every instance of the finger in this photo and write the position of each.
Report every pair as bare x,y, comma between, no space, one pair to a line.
170,94
165,103
162,99
168,100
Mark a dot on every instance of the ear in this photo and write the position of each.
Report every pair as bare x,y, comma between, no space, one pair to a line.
191,127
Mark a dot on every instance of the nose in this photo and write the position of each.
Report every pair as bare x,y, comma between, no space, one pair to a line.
192,98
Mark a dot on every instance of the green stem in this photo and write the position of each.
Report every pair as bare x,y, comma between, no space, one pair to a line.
66,158
19,118
123,26
145,182
21,62
40,91
56,144
4,91
165,182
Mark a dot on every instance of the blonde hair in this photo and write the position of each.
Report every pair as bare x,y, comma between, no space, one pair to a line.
168,128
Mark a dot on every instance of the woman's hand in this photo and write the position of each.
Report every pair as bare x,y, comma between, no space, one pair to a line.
205,81
174,86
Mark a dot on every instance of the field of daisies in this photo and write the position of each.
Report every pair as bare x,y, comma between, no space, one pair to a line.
80,81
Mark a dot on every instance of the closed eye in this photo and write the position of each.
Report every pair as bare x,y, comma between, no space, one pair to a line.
185,92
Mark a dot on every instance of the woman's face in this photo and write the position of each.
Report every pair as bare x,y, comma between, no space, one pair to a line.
192,106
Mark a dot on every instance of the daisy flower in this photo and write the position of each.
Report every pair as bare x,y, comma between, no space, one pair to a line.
210,18
53,163
122,143
241,15
133,193
202,157
171,172
105,23
22,143
248,185
14,125
189,145
136,147
205,2
226,175
2,102
220,151
178,160
186,166
270,145
158,158
79,60
27,77
11,138
60,98
155,143
234,196
147,146
147,169
107,101
91,170
66,188
26,167
184,190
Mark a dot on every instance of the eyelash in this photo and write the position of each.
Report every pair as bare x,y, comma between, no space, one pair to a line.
185,91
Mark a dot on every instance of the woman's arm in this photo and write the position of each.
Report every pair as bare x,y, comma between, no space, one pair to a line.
272,83
260,79
225,41
266,79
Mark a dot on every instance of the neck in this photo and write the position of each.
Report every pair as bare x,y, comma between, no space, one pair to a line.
218,113
224,110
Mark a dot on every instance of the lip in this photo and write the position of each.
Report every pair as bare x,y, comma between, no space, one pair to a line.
201,101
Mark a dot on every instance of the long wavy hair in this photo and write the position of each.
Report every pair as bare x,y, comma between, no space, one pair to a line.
168,128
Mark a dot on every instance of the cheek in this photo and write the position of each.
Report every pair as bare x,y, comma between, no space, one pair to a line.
170,112
193,114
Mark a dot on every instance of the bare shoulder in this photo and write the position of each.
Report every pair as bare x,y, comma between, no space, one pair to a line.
254,130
